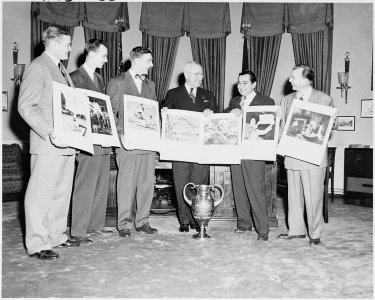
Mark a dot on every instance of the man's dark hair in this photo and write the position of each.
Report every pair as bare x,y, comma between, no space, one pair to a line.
93,45
52,33
139,51
307,72
251,75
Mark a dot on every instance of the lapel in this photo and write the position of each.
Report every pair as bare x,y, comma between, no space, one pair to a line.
88,83
54,70
130,85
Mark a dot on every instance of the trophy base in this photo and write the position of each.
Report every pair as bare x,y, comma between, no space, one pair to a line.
201,234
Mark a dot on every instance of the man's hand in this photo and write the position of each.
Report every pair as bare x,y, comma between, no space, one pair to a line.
236,112
279,113
57,141
207,112
122,138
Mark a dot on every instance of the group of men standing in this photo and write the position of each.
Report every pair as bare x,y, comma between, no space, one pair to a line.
54,182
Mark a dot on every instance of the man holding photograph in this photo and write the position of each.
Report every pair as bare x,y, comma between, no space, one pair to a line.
248,178
135,180
89,200
305,180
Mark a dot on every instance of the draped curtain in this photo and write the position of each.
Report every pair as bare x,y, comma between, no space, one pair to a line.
262,41
311,26
208,24
161,34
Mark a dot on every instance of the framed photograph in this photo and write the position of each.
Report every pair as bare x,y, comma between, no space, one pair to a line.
306,131
5,101
103,126
366,108
346,123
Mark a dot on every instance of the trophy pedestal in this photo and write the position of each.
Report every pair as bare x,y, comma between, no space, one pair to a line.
201,234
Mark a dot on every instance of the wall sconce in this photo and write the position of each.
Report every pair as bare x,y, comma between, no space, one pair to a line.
343,78
246,26
120,22
18,69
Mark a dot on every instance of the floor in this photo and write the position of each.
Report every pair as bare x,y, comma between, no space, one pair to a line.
173,265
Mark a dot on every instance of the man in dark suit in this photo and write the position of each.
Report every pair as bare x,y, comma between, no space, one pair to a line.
135,180
248,178
305,180
194,98
89,200
48,192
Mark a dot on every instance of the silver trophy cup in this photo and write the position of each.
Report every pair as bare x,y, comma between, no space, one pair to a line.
202,205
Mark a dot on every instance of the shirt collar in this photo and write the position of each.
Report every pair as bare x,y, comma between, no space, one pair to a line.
132,73
55,60
188,88
250,97
305,94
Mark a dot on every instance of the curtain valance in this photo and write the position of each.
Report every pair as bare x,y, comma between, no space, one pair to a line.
62,14
197,19
266,19
308,17
162,19
98,16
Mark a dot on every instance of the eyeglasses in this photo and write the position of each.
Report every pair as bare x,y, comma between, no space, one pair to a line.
197,74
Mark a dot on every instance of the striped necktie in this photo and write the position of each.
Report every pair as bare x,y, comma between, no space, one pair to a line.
192,96
242,103
62,70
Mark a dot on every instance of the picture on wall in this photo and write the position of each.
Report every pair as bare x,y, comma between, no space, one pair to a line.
366,108
346,123
5,101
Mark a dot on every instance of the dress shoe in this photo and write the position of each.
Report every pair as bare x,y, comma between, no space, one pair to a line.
241,230
100,232
285,236
315,241
263,237
125,233
45,255
68,244
184,228
196,227
146,228
82,239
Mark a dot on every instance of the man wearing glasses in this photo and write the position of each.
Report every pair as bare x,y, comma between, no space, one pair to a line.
190,97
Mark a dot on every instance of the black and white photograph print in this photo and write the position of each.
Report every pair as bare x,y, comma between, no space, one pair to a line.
309,126
100,122
346,123
221,131
74,119
367,109
260,125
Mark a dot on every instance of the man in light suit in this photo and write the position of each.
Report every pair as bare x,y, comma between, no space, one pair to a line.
248,178
52,162
194,98
135,180
305,180
89,200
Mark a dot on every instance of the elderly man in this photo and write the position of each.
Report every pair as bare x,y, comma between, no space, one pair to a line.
52,162
305,180
135,181
193,98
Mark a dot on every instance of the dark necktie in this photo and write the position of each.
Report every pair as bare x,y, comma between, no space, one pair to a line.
62,70
96,81
141,77
192,96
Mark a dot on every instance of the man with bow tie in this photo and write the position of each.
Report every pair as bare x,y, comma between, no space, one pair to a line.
248,178
89,200
135,179
305,180
191,97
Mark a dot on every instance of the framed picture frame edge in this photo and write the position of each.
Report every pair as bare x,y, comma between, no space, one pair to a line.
5,101
365,109
345,128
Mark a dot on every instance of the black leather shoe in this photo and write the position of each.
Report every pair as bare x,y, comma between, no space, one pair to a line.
196,227
263,237
68,244
125,233
314,241
146,228
285,236
45,255
82,239
184,228
241,230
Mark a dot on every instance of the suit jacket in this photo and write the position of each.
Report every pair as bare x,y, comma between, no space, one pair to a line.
178,98
83,80
258,100
125,85
317,97
35,104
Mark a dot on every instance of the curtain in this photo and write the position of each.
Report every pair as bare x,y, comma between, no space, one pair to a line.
311,26
261,58
164,56
114,42
210,53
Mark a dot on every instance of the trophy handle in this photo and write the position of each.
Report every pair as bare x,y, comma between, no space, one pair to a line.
217,202
185,197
